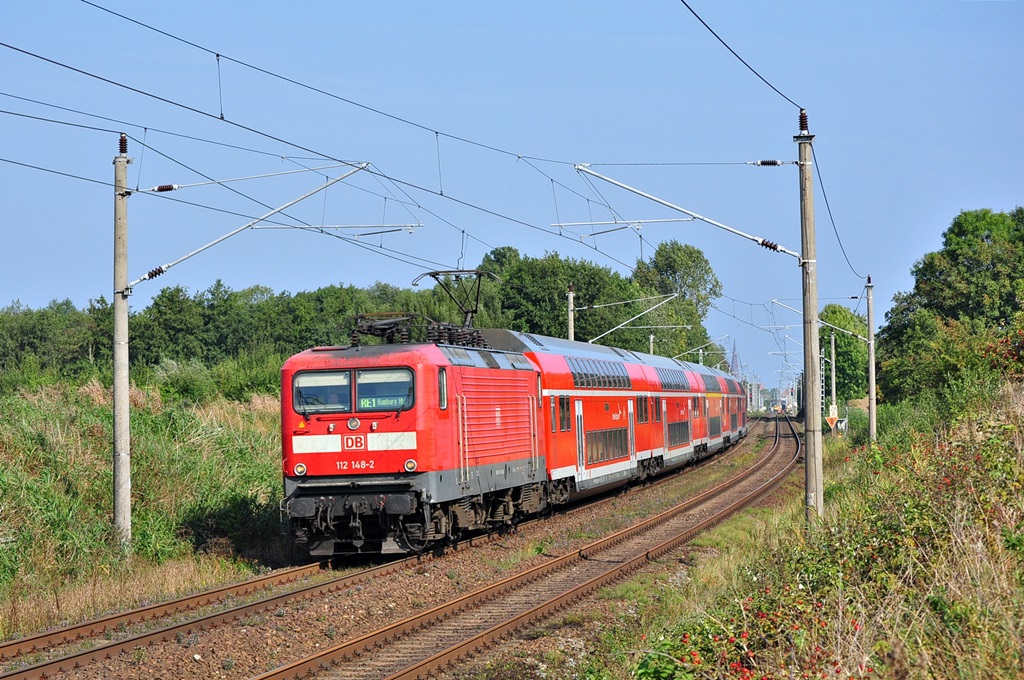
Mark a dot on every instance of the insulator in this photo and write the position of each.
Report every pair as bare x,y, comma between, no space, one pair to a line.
770,245
768,163
803,120
353,339
123,144
166,187
153,273
403,336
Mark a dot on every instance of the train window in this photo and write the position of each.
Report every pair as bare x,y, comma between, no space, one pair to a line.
540,393
657,409
554,414
442,388
322,392
564,417
384,389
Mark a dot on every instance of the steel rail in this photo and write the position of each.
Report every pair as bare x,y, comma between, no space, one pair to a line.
377,639
66,663
482,640
10,649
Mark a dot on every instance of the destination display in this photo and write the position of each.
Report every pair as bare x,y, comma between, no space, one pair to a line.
381,403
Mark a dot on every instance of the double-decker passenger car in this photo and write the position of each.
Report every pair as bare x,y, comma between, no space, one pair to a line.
389,448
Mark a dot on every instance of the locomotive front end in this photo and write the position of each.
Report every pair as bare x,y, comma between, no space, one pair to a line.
357,440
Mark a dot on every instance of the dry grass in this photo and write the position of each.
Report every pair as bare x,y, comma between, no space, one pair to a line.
148,398
113,590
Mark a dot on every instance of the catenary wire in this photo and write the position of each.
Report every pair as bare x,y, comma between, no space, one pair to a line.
267,72
297,83
130,124
828,208
389,252
299,146
403,120
742,61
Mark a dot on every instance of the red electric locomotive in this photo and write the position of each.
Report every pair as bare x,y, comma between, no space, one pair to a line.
390,448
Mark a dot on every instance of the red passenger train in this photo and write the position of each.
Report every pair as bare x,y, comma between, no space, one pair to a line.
391,448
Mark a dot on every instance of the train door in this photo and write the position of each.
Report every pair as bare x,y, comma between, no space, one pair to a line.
632,431
695,430
726,416
581,444
701,419
665,443
459,399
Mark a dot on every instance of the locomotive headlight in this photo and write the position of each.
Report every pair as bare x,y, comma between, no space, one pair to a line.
299,469
410,465
353,423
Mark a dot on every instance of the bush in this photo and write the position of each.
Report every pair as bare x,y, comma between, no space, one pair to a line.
188,381
27,373
255,372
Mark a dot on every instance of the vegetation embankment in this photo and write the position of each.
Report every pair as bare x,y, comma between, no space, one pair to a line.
205,487
916,570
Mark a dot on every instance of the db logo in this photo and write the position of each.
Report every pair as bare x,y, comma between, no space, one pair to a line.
354,442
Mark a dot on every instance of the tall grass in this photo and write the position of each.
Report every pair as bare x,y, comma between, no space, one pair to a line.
205,484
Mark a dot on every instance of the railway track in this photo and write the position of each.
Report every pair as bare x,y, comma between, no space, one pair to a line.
104,649
409,648
69,634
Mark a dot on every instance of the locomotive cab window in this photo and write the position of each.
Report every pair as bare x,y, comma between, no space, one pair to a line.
322,392
442,388
388,389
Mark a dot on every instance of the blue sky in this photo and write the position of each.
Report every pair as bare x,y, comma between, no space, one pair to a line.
473,116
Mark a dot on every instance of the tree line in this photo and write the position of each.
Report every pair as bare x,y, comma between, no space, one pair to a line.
964,318
257,327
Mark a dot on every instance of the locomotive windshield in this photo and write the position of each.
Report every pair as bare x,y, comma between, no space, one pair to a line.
387,389
323,392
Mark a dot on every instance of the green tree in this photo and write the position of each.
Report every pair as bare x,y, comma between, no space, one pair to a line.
965,297
979,272
683,269
851,362
172,327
